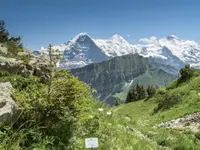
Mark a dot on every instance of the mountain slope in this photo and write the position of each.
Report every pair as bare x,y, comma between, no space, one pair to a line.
142,117
121,73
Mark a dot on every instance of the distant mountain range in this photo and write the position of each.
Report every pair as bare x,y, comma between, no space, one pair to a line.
113,66
83,50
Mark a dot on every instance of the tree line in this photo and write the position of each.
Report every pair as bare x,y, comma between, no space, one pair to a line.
139,92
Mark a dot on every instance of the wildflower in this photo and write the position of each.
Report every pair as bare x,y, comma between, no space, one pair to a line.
109,113
90,116
100,109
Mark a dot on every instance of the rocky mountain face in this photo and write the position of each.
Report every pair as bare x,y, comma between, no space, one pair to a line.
83,50
79,52
113,78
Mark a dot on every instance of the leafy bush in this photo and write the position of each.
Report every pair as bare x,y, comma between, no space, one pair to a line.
161,91
186,73
151,91
163,143
3,74
166,101
197,135
51,122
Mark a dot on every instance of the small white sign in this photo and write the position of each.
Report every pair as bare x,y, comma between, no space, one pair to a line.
91,142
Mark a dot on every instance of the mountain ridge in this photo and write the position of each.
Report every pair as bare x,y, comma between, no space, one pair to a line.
83,50
114,77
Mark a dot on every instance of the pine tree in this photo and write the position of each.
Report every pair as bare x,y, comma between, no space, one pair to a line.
138,92
134,95
150,91
4,34
129,97
142,92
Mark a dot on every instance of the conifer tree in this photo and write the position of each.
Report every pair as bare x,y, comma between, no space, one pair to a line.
150,91
138,92
3,32
134,95
129,97
142,92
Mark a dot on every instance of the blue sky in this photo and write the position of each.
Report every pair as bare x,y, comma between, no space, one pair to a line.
41,22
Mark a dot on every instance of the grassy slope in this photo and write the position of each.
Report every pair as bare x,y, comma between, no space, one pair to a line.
141,113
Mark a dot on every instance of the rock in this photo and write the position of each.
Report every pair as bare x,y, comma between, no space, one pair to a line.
11,65
193,121
36,66
8,107
3,50
25,53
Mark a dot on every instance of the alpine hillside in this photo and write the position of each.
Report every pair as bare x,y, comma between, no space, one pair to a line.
113,78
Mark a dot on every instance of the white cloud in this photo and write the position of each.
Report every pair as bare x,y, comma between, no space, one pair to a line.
150,40
128,35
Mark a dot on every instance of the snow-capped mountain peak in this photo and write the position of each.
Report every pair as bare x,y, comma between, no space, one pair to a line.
172,37
81,37
83,50
117,38
115,46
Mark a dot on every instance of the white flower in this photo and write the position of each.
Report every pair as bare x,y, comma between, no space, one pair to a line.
199,94
100,109
109,113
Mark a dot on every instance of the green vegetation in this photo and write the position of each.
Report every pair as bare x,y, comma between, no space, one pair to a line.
139,93
13,44
174,101
71,115
150,91
53,121
186,73
114,78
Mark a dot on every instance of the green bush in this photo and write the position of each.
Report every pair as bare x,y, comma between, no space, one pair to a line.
4,74
166,101
151,91
186,73
48,123
163,143
197,135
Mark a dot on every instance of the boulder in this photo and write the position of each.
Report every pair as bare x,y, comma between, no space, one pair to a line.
8,107
11,65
